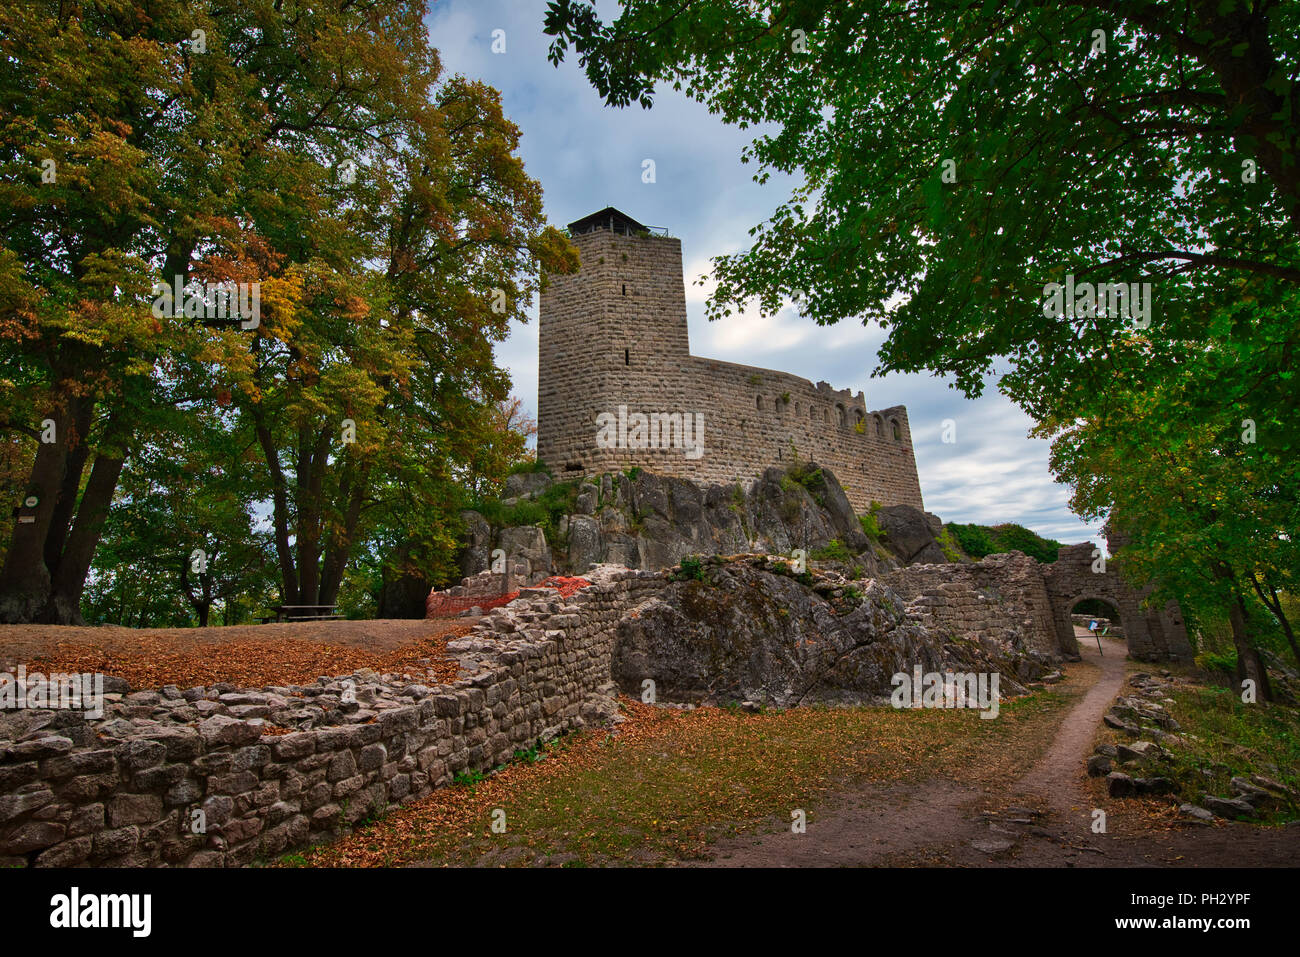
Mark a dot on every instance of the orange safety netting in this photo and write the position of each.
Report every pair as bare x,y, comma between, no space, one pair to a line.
439,605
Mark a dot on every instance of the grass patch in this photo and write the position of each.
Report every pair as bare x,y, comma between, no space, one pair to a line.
870,526
948,546
544,511
690,569
670,782
1227,738
528,466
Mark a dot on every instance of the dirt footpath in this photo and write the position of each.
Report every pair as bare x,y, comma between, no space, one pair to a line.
1042,819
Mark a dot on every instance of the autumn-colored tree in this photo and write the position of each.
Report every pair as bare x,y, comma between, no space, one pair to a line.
181,142
383,384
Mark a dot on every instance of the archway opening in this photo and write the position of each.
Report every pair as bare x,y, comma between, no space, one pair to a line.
1097,625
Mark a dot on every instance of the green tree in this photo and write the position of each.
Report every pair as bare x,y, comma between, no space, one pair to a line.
184,534
956,159
1208,507
962,156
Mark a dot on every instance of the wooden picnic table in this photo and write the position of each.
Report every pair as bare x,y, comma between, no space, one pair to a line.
302,613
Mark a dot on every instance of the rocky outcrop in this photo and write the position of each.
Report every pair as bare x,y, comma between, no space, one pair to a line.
648,521
753,631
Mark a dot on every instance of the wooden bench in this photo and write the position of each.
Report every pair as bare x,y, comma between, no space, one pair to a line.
302,613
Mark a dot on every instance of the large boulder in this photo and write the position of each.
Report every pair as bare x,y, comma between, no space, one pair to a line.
827,492
911,534
476,551
527,552
586,543
526,485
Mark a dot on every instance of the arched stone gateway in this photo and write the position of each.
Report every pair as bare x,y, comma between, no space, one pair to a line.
1152,634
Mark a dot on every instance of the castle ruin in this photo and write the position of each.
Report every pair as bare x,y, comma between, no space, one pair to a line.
613,346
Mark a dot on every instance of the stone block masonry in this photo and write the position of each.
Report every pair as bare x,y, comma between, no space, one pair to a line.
1002,597
615,334
279,768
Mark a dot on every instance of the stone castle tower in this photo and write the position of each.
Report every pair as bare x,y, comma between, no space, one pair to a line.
618,387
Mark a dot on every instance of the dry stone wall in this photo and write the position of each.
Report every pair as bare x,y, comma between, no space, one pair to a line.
1003,597
615,335
280,767
276,768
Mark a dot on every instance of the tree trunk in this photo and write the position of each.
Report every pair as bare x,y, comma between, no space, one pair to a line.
65,509
64,604
312,458
280,515
403,597
1249,663
338,550
1274,604
25,578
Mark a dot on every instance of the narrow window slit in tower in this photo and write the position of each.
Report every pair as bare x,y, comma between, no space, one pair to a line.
625,289
627,358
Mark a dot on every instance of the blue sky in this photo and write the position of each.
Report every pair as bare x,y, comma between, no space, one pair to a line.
588,156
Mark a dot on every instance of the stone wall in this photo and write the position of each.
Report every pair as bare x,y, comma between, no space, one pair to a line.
277,768
1002,597
615,334
1153,634
281,767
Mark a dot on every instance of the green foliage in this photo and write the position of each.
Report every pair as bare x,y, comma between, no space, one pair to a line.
870,525
974,540
468,778
1217,661
1012,537
1226,738
835,551
1027,119
948,546
543,511
530,466
691,568
980,540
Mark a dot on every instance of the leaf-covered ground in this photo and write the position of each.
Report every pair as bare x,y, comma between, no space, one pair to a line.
248,656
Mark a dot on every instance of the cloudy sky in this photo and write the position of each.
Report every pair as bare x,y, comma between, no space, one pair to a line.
588,156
